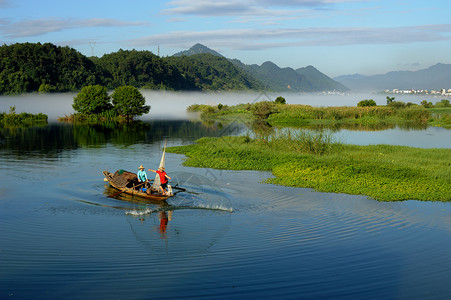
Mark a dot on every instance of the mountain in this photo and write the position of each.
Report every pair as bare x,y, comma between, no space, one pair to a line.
435,77
32,67
320,81
197,49
307,79
210,72
274,78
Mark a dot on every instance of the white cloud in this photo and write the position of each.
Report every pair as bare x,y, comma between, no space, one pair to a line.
263,39
208,8
214,8
28,28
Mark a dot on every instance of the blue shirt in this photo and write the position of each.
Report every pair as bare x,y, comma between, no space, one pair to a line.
142,175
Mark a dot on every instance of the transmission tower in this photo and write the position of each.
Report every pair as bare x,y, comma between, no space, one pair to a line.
92,44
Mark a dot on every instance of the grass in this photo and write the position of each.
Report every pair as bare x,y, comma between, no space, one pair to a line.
302,114
24,119
441,117
382,172
80,118
296,115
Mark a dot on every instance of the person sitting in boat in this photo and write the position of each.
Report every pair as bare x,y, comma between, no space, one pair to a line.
163,179
142,177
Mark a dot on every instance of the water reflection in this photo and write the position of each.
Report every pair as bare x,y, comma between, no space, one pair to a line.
380,126
51,140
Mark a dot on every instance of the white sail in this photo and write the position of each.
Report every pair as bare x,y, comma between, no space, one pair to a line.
156,182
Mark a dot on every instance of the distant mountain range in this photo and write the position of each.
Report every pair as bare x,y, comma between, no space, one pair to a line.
435,77
307,79
36,67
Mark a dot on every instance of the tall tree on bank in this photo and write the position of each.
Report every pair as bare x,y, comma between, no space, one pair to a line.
92,99
129,102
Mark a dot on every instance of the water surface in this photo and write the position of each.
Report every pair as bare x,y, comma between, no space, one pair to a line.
229,236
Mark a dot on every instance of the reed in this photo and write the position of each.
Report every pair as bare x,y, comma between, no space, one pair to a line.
295,114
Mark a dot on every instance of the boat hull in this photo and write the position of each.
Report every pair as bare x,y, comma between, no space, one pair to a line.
133,191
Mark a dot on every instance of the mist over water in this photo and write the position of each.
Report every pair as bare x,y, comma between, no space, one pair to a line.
172,105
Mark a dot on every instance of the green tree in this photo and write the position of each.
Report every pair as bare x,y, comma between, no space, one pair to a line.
427,104
442,103
263,109
128,101
366,102
92,99
390,99
280,100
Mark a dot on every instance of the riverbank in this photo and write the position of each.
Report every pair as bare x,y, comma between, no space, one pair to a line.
382,172
297,115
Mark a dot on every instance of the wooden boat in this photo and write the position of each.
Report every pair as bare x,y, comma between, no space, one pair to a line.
127,182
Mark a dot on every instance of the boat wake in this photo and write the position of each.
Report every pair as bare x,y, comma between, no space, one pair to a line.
198,193
148,210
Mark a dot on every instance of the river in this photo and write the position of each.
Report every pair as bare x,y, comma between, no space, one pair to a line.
229,236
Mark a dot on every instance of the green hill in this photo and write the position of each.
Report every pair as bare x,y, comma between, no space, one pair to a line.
141,69
272,77
211,72
306,79
30,67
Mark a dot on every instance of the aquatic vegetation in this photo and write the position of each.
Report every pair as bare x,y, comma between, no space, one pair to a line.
383,172
24,119
440,117
301,114
298,115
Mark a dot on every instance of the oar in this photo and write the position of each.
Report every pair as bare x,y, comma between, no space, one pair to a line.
120,192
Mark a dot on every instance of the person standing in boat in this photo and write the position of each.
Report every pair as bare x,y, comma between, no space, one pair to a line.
142,176
163,179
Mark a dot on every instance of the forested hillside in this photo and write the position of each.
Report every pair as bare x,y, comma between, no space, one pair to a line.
141,69
29,67
32,67
46,67
211,72
306,79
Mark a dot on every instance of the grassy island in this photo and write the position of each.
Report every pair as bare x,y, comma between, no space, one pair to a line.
12,119
382,172
297,115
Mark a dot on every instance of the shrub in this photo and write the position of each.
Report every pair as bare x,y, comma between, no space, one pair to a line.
427,104
92,99
280,100
442,103
207,110
397,104
366,102
263,109
416,112
46,88
128,101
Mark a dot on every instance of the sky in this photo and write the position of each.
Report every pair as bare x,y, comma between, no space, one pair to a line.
338,37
